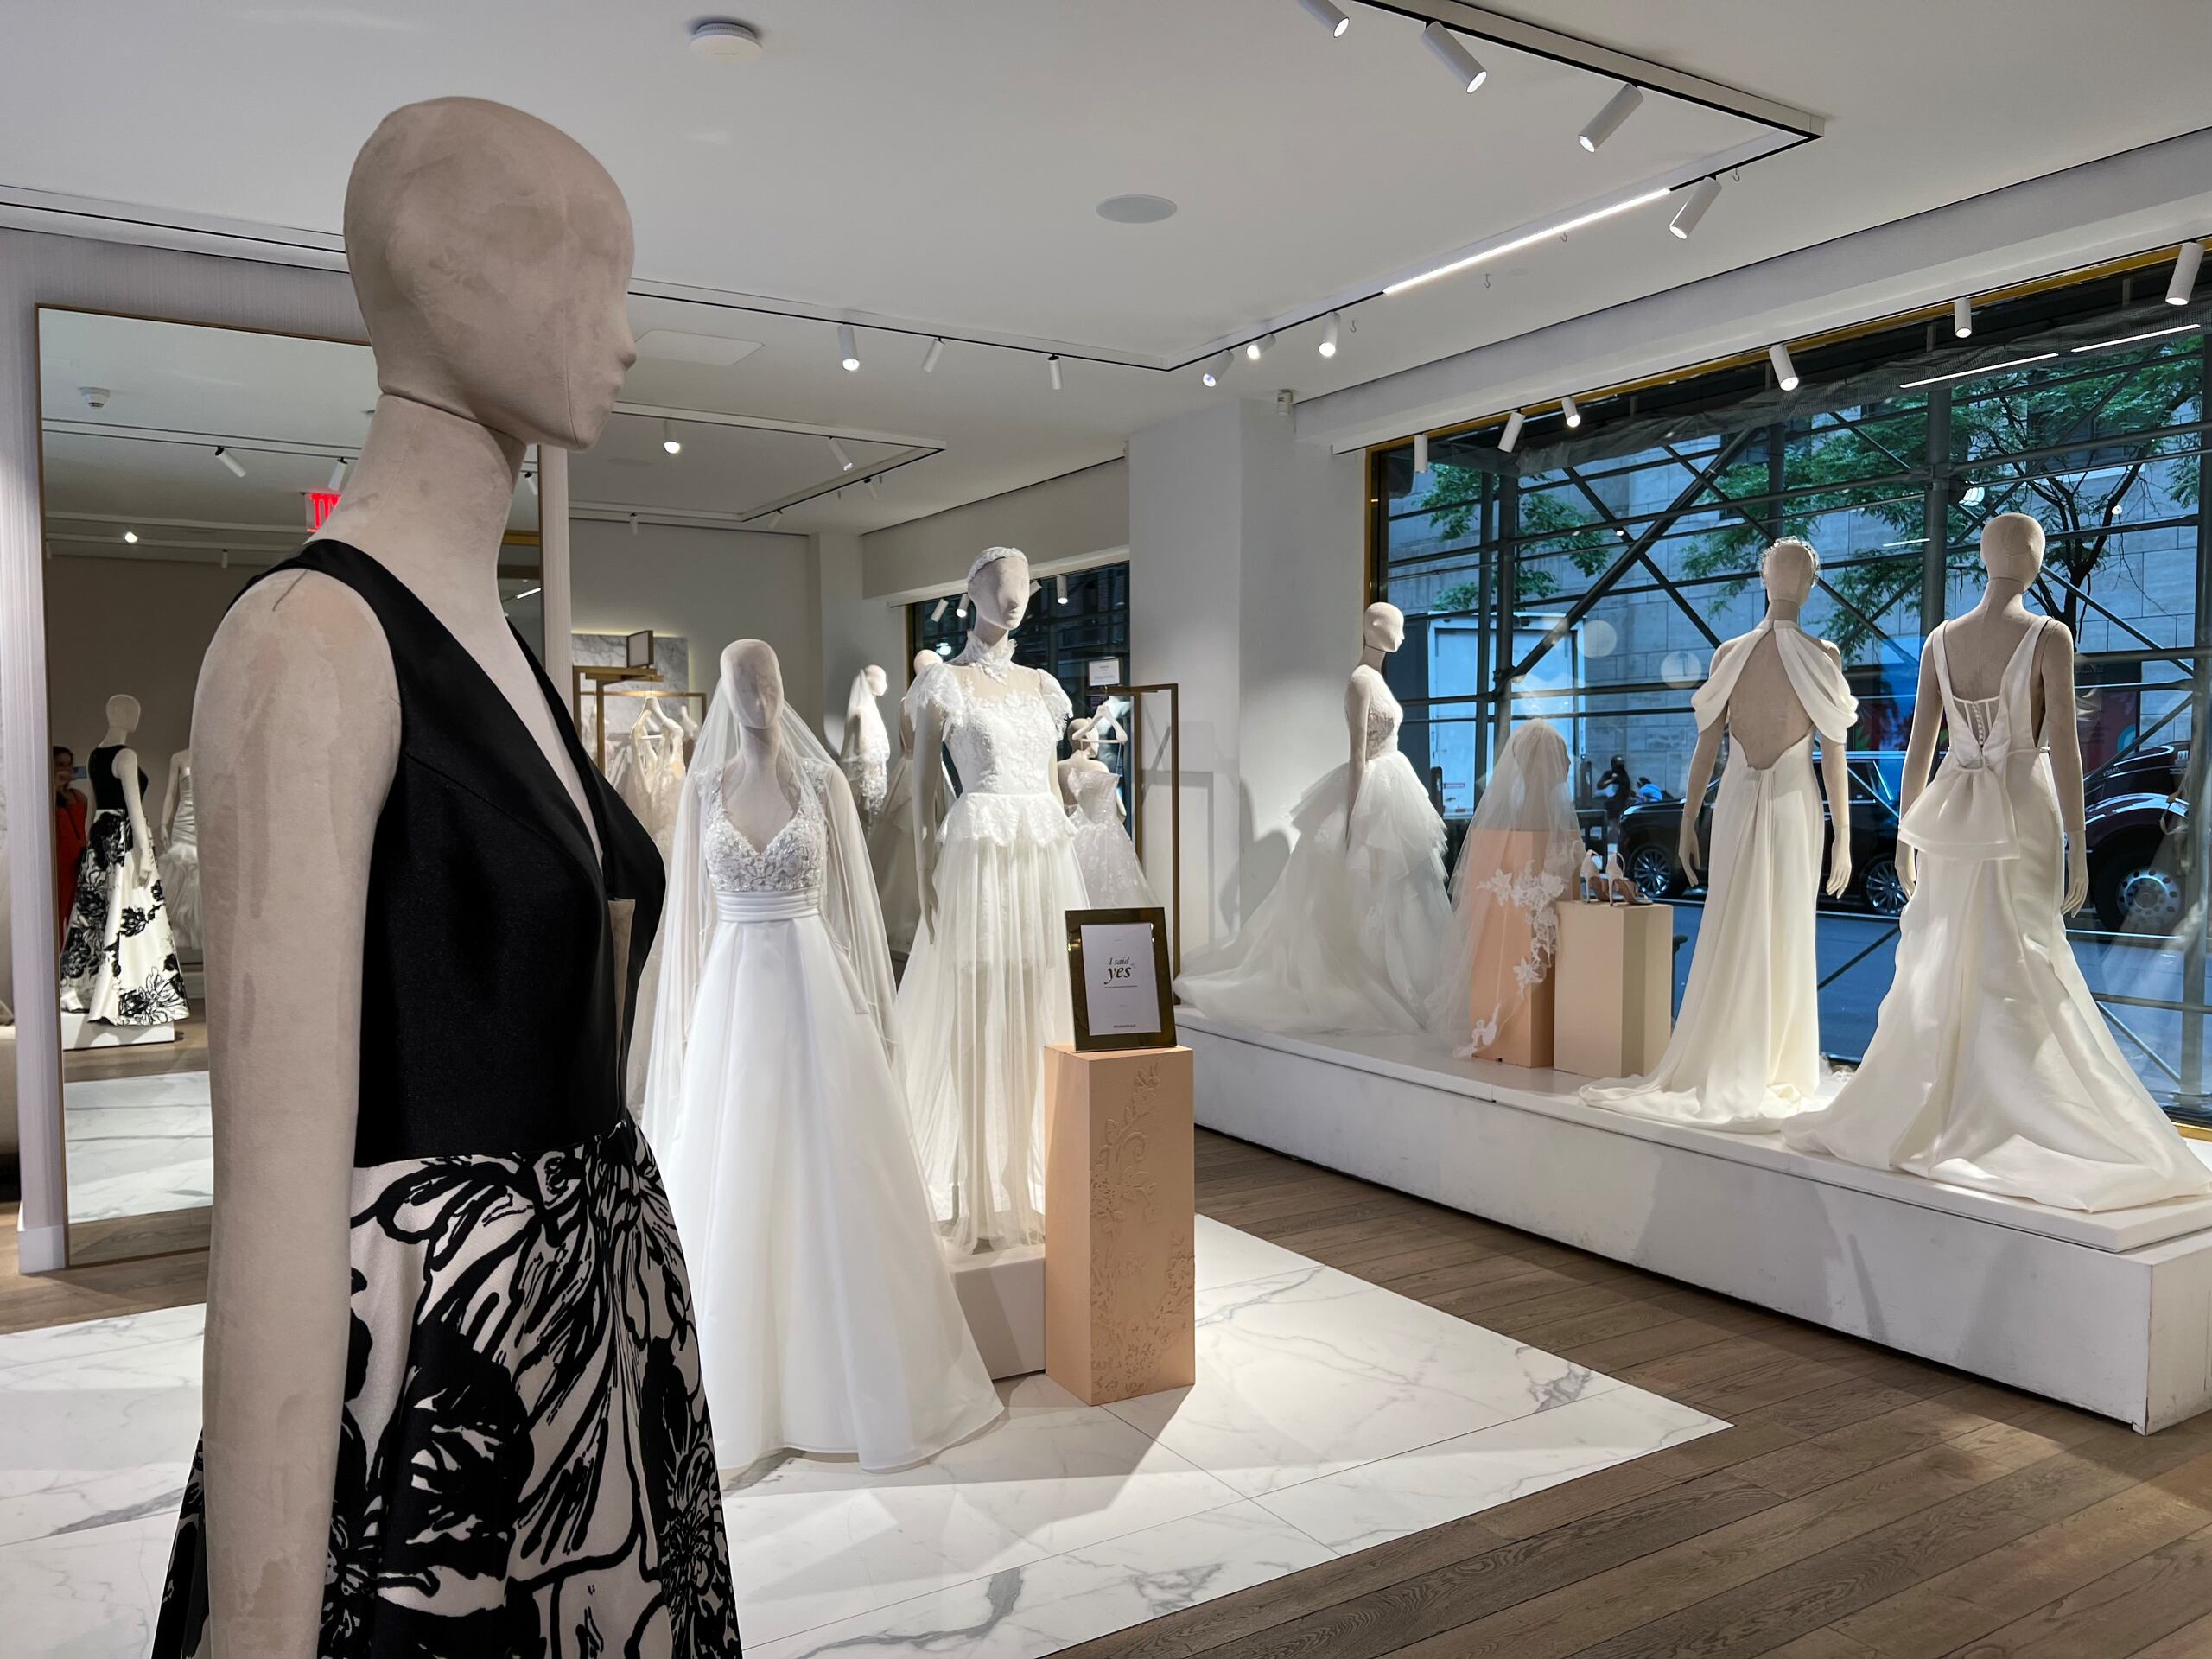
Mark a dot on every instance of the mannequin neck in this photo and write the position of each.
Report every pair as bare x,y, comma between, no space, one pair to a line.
1783,611
2002,596
429,499
758,747
1372,657
116,737
987,635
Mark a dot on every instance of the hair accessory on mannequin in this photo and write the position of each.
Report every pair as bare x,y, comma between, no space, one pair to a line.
992,555
1796,544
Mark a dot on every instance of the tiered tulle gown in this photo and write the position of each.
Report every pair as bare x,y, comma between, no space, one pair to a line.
1112,878
1744,1054
987,989
826,1318
1991,1066
1352,935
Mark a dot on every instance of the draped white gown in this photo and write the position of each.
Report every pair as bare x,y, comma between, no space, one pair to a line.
1744,1054
1112,878
1352,935
828,1321
1991,1066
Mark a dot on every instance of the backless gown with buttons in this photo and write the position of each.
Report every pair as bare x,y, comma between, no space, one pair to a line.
826,1318
1990,1066
524,1462
987,989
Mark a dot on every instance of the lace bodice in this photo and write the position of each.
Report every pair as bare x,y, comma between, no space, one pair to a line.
1004,736
1094,796
1384,716
793,861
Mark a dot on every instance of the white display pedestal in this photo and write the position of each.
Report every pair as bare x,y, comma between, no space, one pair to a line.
1002,1294
2111,1313
77,1032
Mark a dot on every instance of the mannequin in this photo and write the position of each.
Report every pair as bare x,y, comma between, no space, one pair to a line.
1745,1052
1352,937
118,956
1112,877
891,837
866,751
1990,1064
490,255
1082,758
987,986
179,856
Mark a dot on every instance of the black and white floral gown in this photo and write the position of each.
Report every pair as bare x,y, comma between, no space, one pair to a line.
525,1464
119,958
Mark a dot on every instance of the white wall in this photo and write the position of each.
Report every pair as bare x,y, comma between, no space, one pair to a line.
710,587
856,631
1062,519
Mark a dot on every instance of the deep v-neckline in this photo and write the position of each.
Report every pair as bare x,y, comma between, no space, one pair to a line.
757,853
587,842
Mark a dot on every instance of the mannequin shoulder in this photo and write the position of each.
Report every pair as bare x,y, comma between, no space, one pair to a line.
1054,693
1366,685
1829,650
937,687
299,651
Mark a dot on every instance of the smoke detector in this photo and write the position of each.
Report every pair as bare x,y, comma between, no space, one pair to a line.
724,39
94,397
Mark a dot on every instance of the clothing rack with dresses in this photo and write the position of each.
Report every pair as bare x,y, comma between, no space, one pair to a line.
592,687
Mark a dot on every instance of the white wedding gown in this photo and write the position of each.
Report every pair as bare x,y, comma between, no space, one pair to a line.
987,989
1112,878
826,1318
1744,1054
1352,938
178,865
1991,1066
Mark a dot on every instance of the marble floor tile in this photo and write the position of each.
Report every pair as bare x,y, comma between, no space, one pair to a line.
1023,1611
94,1594
1377,1502
1303,1374
815,1540
139,1146
1226,1256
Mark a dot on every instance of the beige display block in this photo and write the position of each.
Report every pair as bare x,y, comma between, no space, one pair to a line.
1616,969
1120,1316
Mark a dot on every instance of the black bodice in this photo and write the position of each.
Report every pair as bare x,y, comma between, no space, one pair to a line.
107,788
489,1018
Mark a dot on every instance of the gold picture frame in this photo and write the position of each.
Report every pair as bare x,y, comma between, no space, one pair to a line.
1083,973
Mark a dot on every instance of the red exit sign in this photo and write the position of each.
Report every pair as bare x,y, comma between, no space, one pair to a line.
320,502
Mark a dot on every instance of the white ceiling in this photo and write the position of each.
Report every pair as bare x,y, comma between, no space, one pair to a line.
940,163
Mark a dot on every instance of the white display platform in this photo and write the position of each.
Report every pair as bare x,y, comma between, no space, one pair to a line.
1002,1294
2111,1313
78,1032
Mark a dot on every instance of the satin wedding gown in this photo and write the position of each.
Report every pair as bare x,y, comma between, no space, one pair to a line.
828,1322
987,989
1351,936
1744,1054
178,865
1991,1066
1112,878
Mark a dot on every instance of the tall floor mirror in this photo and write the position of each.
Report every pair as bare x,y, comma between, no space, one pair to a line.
179,462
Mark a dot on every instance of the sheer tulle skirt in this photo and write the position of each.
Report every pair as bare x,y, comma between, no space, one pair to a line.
826,1318
984,992
1352,935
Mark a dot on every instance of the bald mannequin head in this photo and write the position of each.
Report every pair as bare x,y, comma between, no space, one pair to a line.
122,712
491,254
2011,548
1382,628
755,680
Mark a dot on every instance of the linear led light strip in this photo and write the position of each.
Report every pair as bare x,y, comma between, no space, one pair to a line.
2130,340
1961,374
1527,241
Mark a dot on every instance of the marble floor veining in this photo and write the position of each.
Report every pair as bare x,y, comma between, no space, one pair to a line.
1330,1415
138,1145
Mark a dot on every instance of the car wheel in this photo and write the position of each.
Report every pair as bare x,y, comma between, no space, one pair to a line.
1884,887
1652,870
2143,900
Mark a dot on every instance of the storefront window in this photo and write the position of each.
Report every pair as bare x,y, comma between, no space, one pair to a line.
1587,578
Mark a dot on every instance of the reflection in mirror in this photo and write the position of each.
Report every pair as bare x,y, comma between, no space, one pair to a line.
179,462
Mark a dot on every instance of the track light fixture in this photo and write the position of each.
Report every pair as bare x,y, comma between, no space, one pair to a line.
962,612
1963,317
229,460
844,460
1329,327
1214,371
1421,455
1060,589
1687,216
1452,52
2187,258
937,611
1053,367
530,478
929,357
775,517
1328,16
874,494
669,441
849,349
1257,349
633,524
1566,407
1607,122
1511,436
131,537
1785,371
337,475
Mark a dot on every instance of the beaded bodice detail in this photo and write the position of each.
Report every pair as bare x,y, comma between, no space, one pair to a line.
1384,716
1094,795
792,861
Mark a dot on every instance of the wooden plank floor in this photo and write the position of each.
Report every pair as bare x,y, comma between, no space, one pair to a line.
1863,1506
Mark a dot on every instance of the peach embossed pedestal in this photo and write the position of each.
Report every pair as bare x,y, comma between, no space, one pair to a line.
1120,1315
1616,963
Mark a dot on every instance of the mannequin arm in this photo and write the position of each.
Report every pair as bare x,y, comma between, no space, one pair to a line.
126,774
1835,779
296,729
168,798
2062,729
906,731
1702,759
1919,754
1357,698
928,777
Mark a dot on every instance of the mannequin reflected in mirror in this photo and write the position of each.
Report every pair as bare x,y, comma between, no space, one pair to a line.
865,751
1351,937
179,859
1745,1052
425,915
1112,877
827,1319
1992,1066
118,954
986,988
891,837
